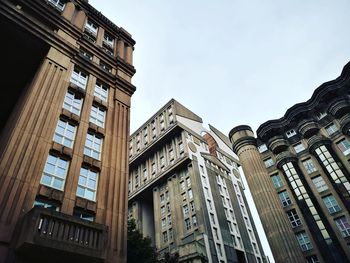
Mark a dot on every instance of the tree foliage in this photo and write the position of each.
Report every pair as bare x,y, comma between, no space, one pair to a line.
140,248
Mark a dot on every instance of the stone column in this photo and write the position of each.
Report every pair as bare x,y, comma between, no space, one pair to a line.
281,238
120,48
79,20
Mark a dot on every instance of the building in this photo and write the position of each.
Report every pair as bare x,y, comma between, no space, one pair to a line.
185,190
66,88
298,171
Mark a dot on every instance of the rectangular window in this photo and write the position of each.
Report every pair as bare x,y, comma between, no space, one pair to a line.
64,133
294,218
163,222
312,259
101,91
46,204
91,28
87,184
268,162
284,197
194,220
108,40
290,133
72,102
309,166
105,66
344,146
86,53
97,116
320,184
190,194
59,4
276,180
331,128
304,241
84,215
188,224
55,172
79,78
331,204
93,146
192,206
185,210
299,147
262,148
343,225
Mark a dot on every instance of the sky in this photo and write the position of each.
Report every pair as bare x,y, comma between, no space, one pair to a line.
231,62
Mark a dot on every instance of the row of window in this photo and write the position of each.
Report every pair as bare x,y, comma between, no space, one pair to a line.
55,172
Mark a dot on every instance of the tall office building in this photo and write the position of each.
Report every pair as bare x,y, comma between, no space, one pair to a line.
66,87
185,190
298,171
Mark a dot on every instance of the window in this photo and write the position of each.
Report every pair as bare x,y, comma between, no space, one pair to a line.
55,171
84,215
194,221
219,249
255,248
163,222
105,67
190,194
162,198
185,210
192,206
101,91
108,40
304,241
86,53
165,236
299,147
97,116
93,146
188,224
294,218
90,27
188,182
343,225
276,180
87,184
320,184
268,162
290,133
79,78
312,259
64,133
309,166
212,218
344,146
331,128
216,235
331,204
262,148
320,115
46,204
59,4
169,220
171,234
72,102
284,197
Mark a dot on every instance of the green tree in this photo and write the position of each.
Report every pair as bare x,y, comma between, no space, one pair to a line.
140,248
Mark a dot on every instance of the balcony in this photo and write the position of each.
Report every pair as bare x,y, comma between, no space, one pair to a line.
277,144
45,235
339,108
316,141
308,128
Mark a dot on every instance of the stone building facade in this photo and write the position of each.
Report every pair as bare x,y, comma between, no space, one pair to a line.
66,85
298,171
186,192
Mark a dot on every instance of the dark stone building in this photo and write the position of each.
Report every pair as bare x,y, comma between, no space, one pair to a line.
299,173
66,88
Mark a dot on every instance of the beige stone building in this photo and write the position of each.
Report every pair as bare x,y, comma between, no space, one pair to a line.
66,88
298,171
186,192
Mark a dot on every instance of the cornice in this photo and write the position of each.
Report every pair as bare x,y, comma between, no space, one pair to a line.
323,91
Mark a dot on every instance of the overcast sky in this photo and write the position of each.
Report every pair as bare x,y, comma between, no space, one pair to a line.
231,62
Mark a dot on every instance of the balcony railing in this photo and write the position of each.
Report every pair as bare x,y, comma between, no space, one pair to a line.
339,108
60,235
